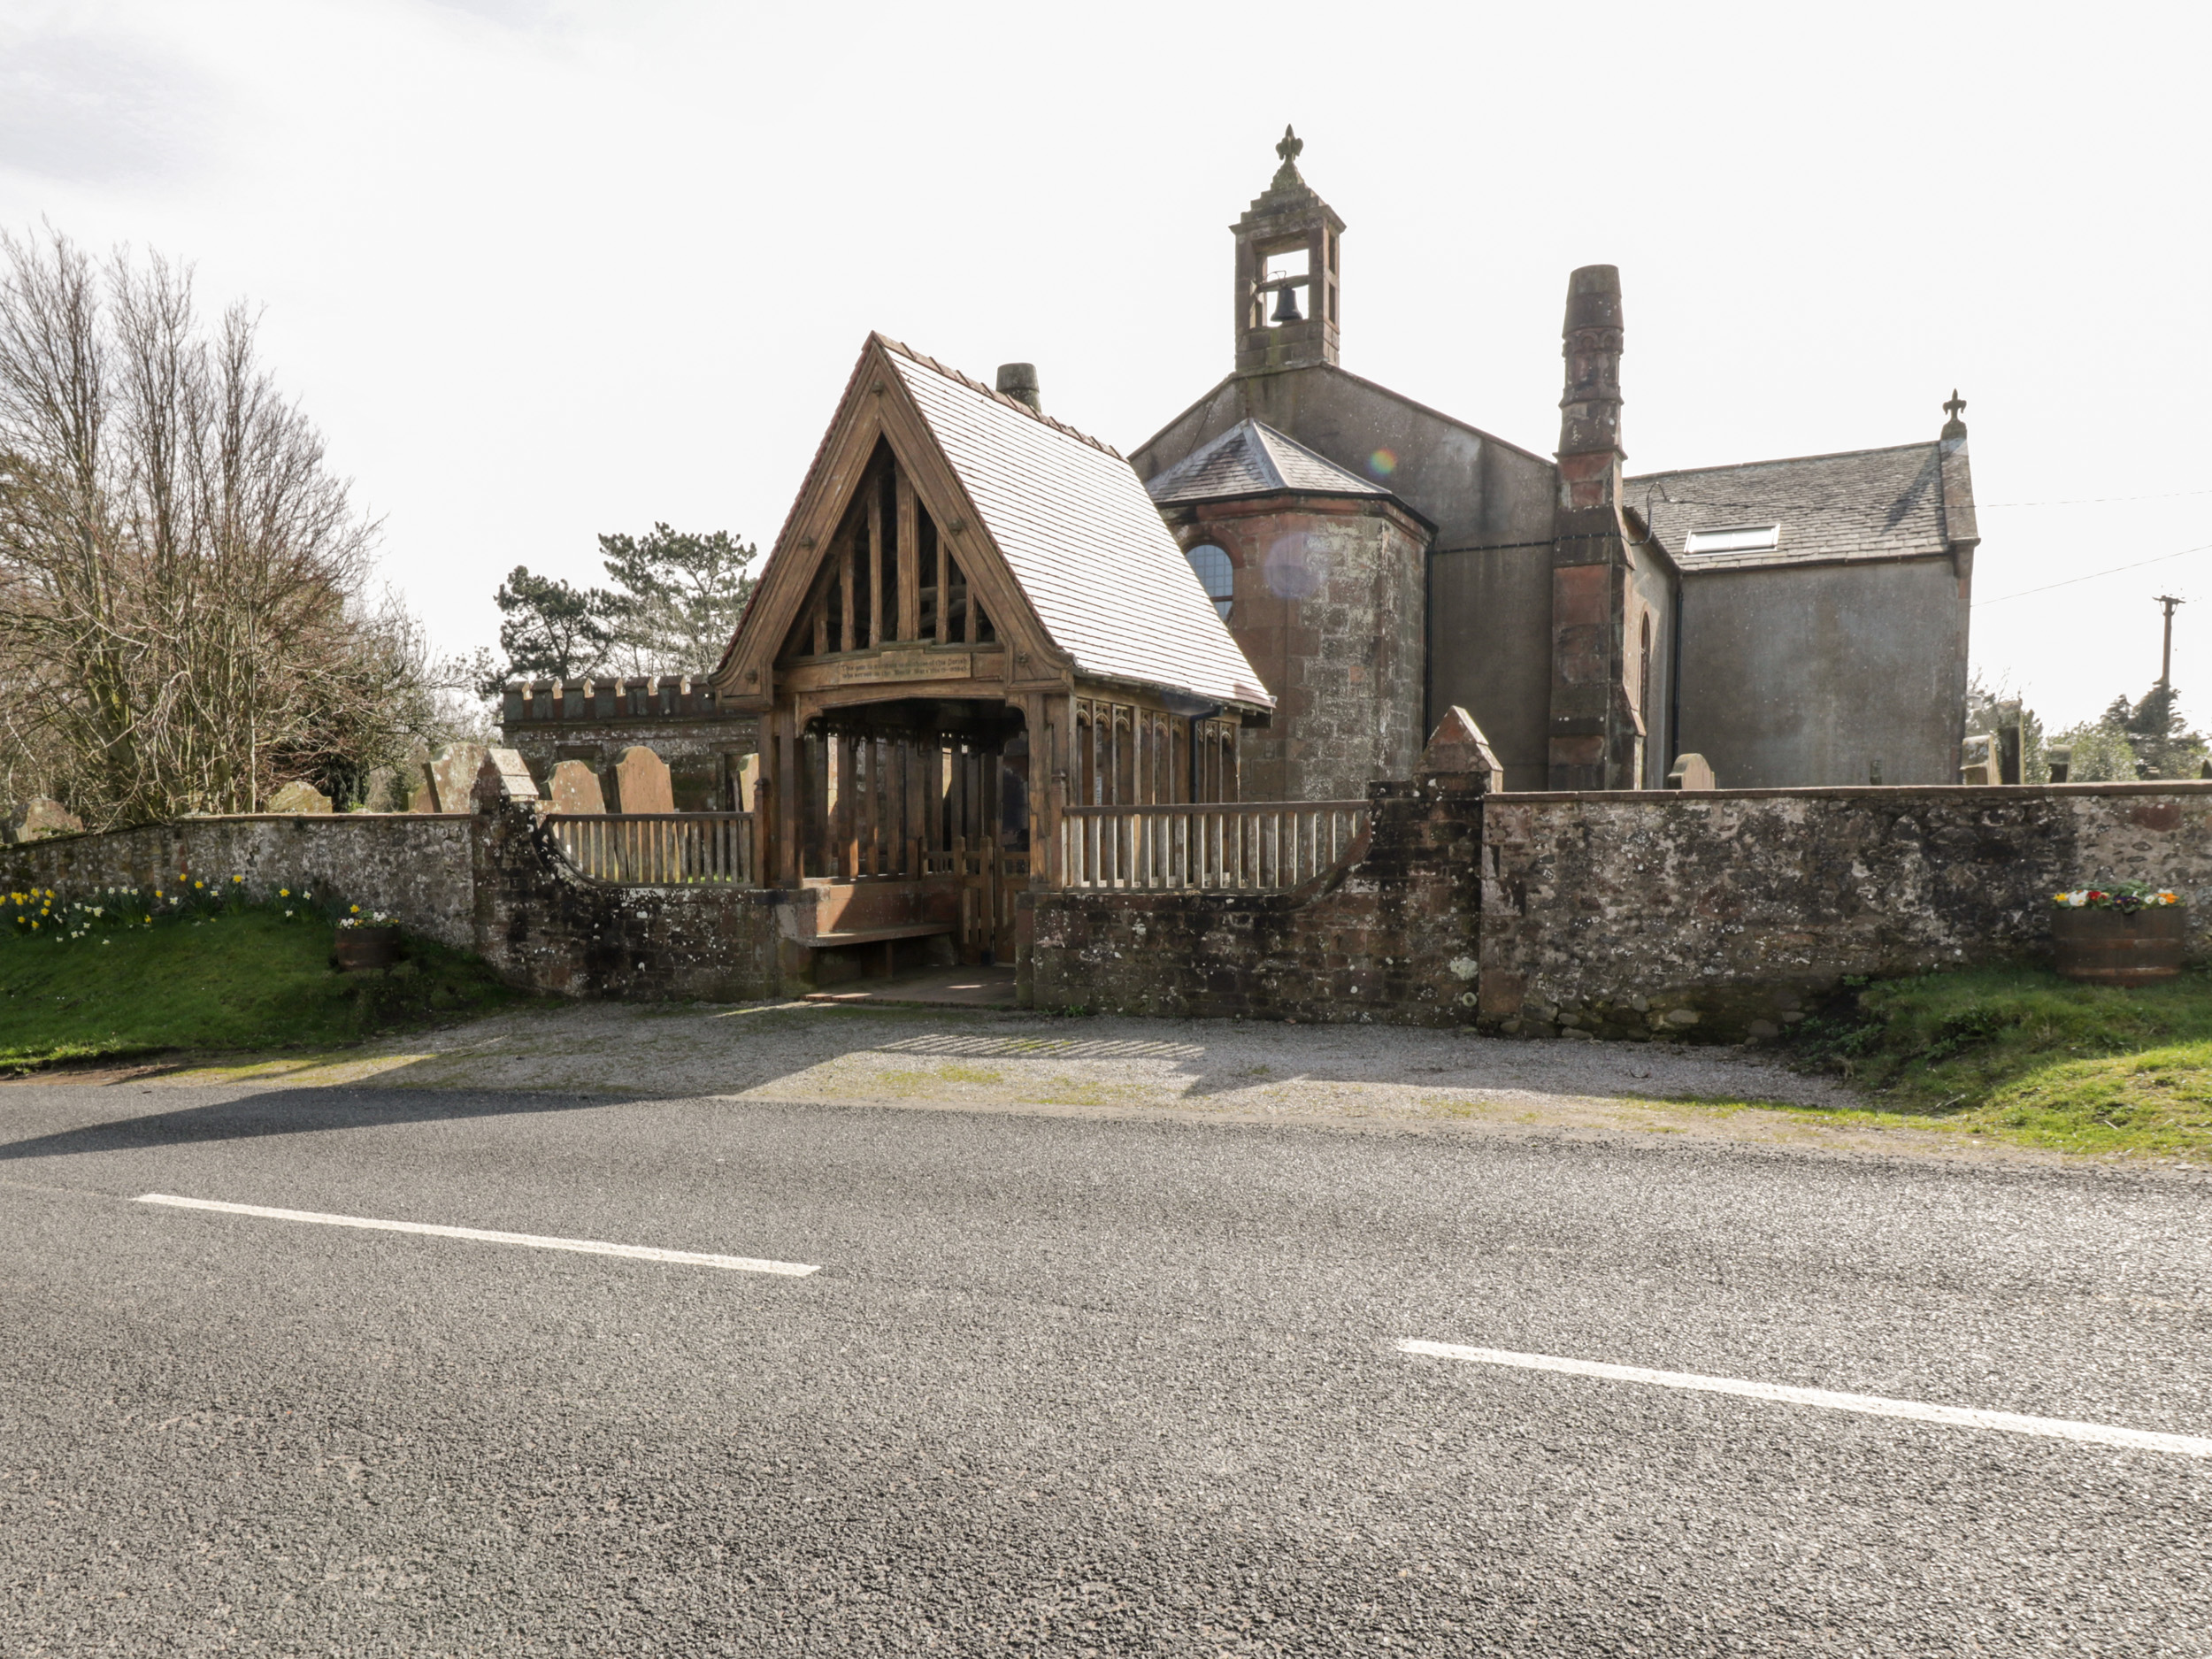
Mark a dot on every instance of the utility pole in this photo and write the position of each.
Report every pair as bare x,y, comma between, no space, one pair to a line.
2166,659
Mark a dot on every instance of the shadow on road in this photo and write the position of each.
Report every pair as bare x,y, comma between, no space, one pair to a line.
292,1112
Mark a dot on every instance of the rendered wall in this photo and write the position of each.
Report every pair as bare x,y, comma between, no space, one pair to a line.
1489,612
1804,676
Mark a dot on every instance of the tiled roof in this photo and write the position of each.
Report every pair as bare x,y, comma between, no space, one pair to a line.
1866,504
1083,540
1255,459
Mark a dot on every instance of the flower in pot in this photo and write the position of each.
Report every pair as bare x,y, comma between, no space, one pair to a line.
2127,932
365,941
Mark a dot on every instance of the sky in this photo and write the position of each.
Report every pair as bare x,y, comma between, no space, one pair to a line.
542,269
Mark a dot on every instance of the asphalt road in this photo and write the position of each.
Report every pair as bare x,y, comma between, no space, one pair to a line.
1067,1386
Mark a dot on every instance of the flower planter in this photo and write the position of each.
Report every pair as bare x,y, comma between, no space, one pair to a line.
2107,948
360,947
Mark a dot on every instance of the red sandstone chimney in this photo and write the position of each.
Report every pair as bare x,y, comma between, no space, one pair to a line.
1594,736
1590,407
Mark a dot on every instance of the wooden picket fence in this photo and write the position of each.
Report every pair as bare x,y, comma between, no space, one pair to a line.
1247,847
660,850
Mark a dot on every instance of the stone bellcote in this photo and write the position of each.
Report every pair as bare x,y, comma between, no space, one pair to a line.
1287,268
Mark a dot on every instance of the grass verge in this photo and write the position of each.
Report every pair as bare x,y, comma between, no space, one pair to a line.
214,978
2019,1054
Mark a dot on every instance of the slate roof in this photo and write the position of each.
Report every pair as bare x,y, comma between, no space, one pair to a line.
1083,539
1252,458
1864,504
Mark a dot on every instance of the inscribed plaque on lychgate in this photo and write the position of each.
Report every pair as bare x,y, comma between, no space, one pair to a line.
641,782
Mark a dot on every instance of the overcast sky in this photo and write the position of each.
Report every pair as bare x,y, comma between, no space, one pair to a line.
543,270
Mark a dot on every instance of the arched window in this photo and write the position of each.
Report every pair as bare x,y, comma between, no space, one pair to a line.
1216,574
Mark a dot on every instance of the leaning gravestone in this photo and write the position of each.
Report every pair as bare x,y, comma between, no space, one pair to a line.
641,782
453,771
36,818
575,787
299,797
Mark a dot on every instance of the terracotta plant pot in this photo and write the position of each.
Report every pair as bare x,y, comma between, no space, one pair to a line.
360,947
2105,948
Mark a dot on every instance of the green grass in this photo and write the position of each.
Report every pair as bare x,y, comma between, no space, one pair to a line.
2019,1053
235,978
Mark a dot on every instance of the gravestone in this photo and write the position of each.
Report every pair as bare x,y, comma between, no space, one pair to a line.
575,787
381,791
36,818
641,782
1691,771
501,778
2061,757
299,797
1977,759
453,771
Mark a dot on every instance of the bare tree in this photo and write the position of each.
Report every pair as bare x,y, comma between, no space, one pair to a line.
183,608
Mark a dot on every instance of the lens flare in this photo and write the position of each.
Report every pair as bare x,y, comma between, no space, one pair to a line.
1383,463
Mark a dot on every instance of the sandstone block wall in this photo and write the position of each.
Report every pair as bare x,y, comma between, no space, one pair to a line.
1729,914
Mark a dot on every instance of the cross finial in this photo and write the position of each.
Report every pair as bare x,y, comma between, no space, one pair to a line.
1954,429
1287,175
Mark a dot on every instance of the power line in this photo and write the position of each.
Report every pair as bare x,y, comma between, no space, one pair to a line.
2093,501
2093,575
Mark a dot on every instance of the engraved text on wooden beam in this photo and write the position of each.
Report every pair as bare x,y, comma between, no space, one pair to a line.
902,665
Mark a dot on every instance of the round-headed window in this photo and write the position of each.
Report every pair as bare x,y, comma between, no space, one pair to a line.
1214,574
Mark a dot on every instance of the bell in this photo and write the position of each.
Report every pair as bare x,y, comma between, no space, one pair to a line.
1286,306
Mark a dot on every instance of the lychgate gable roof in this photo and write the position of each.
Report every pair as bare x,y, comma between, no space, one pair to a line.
1064,549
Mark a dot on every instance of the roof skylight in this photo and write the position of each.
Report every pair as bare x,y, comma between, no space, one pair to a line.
1741,538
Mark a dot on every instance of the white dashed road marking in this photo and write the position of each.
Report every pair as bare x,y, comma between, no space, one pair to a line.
1872,1405
588,1246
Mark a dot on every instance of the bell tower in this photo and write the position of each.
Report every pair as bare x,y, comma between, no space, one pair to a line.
1287,273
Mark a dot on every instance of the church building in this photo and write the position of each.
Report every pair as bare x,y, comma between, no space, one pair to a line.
1794,622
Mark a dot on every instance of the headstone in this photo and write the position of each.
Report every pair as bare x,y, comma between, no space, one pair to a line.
299,797
1691,771
380,792
641,782
453,771
1977,759
36,818
1458,746
2061,757
425,798
575,787
501,778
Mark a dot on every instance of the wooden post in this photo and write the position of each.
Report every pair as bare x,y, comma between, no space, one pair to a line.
845,608
909,562
875,562
944,590
789,792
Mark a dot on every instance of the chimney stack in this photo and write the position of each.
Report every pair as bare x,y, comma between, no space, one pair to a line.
1590,407
1019,382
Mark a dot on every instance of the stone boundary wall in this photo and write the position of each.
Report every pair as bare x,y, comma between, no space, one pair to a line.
414,866
1390,935
492,882
1730,913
